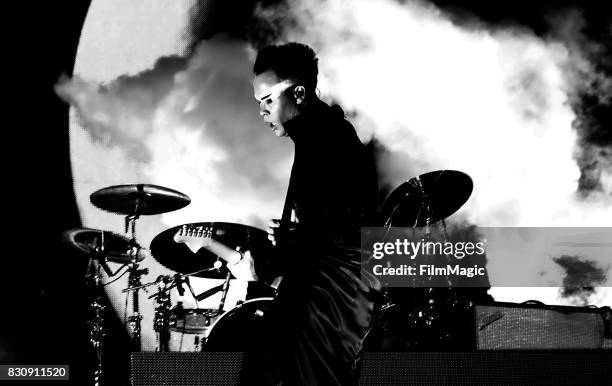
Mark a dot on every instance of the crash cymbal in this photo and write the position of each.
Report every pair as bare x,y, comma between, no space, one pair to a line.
139,199
116,248
434,196
178,257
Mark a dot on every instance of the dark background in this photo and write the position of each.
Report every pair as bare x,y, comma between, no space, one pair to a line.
44,297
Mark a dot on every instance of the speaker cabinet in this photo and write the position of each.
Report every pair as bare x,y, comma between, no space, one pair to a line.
509,326
395,368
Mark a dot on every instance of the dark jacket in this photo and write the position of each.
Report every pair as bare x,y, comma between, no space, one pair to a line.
333,188
324,303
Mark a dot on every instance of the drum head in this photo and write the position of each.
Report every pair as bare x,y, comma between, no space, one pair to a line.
242,328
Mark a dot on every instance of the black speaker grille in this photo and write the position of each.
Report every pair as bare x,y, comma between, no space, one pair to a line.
484,368
395,368
530,328
185,368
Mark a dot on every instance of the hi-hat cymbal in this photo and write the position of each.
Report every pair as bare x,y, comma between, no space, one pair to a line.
139,199
178,257
116,248
427,198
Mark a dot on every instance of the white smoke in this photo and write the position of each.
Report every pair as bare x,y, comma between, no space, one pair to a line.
193,126
492,103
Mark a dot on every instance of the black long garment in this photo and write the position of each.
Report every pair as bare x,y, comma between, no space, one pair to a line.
324,305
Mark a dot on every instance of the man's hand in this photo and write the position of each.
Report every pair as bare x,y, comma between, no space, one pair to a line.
281,231
244,268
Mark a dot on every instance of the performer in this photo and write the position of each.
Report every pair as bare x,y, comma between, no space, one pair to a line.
324,304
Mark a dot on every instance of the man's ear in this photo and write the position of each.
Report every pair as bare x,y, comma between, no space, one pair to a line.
299,94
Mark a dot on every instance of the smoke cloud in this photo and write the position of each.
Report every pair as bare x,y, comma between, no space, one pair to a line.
193,125
494,103
581,278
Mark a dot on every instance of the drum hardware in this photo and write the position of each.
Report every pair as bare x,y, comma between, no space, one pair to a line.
424,201
427,199
133,322
101,247
176,319
161,320
133,201
209,292
96,323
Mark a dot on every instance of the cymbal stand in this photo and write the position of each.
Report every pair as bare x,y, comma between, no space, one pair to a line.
161,321
133,322
96,309
130,225
426,206
437,300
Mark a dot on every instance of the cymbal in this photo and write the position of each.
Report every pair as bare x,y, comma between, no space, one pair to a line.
444,190
139,199
178,257
115,247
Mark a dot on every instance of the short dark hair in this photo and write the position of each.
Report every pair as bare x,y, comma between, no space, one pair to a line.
292,61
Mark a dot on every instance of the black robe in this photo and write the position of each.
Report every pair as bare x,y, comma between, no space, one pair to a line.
324,305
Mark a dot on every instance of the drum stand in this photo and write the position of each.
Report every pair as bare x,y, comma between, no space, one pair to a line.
163,311
133,322
96,308
161,321
438,301
97,263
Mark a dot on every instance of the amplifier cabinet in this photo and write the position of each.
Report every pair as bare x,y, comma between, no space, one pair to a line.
510,326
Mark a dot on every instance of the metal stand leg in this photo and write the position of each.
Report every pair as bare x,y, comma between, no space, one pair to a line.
161,322
133,321
96,323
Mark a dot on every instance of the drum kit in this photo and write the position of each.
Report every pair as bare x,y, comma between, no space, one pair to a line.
426,318
177,249
419,202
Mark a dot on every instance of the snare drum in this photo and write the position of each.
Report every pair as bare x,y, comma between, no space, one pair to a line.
241,328
189,328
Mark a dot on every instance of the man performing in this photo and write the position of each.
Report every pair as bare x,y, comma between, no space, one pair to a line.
324,306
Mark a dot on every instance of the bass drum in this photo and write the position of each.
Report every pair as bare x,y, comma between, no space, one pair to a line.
240,329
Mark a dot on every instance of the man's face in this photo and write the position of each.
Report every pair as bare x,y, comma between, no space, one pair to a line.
275,106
